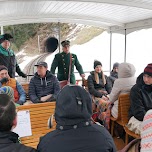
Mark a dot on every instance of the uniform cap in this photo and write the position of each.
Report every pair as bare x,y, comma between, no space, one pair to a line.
64,43
42,64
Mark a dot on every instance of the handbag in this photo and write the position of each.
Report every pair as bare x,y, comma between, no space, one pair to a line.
66,82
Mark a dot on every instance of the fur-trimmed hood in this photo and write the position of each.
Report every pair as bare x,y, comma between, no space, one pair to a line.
126,70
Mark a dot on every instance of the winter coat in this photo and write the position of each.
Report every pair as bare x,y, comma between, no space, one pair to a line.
9,143
40,87
62,61
123,84
94,87
125,81
93,138
141,99
7,58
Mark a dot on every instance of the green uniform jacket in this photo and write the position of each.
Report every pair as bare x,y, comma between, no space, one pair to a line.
62,61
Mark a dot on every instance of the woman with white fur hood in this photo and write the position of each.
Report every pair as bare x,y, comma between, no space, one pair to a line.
124,83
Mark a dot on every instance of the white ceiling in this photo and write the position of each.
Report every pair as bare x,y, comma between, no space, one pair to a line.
109,14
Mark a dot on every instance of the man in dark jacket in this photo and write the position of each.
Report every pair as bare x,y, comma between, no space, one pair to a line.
44,86
9,140
62,61
74,131
141,94
7,56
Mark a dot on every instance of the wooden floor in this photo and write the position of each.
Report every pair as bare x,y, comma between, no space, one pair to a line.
119,143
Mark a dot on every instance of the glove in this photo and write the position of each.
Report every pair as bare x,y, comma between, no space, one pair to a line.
23,75
4,80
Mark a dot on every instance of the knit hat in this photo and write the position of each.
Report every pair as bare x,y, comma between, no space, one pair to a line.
96,63
7,90
146,133
148,69
115,65
73,107
2,67
5,37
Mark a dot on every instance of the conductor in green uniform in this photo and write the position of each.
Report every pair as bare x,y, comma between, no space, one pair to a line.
62,61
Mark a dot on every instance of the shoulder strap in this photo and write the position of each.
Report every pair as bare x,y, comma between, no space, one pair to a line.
70,68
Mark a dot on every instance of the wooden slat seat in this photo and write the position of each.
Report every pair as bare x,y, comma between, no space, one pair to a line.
118,119
125,105
39,115
123,118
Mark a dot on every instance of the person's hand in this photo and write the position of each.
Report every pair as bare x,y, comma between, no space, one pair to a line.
105,98
4,80
82,75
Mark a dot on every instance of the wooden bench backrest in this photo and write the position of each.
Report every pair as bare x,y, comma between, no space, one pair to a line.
124,101
25,87
39,115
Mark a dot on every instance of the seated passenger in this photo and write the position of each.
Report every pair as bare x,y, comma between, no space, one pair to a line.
141,99
126,79
74,131
9,141
44,86
98,84
114,73
5,80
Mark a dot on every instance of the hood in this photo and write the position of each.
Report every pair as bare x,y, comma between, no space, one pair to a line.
126,70
44,80
9,136
73,106
140,80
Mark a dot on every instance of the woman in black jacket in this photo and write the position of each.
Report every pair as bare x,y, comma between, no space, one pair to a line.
99,87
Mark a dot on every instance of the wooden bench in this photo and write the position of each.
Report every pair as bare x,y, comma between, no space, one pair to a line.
39,115
124,106
118,119
123,117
